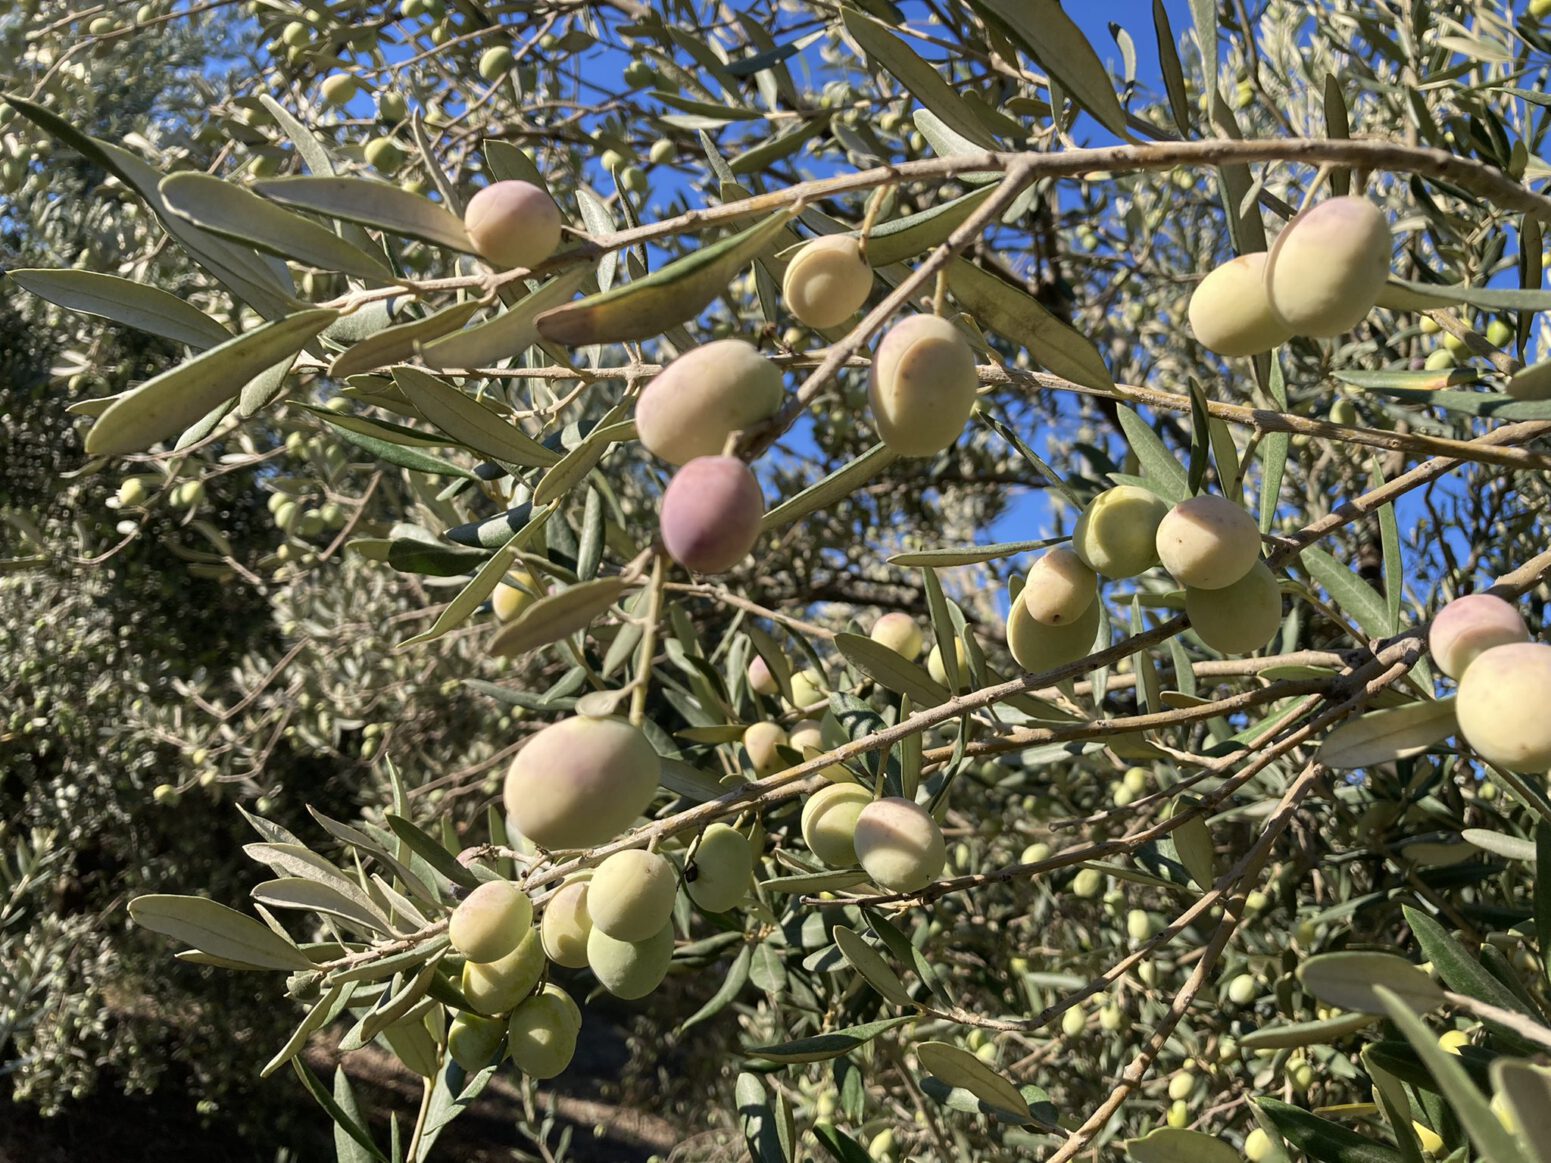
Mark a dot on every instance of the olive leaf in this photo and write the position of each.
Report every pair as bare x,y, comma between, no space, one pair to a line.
554,617
215,929
371,203
957,1067
1387,735
1349,980
507,335
125,301
1177,1145
468,421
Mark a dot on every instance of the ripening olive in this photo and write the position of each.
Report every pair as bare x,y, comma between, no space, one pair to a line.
704,396
710,514
1117,534
580,782
1229,312
829,822
827,281
899,844
1470,625
338,89
566,922
761,681
1503,705
807,739
473,1040
513,224
760,740
1037,646
1060,588
1531,383
498,986
723,865
630,969
900,633
631,894
1237,618
1208,542
488,923
1328,265
541,1036
922,386
939,670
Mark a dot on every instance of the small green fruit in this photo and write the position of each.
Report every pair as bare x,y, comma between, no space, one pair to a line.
489,922
631,894
495,62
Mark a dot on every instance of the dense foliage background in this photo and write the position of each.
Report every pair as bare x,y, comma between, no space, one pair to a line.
178,656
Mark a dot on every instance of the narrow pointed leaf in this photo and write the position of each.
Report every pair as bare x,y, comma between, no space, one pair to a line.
468,421
554,617
125,301
1390,734
215,929
507,335
371,203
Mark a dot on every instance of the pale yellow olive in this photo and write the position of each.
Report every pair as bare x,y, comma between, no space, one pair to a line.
1470,625
513,224
1229,312
1504,706
490,921
900,633
1531,383
498,986
515,594
1239,618
385,154
631,894
1208,542
719,876
704,396
899,844
829,822
630,969
808,687
827,281
1117,534
541,1036
923,385
1037,646
565,925
1060,588
760,740
338,89
939,670
1328,265
807,739
580,782
473,1040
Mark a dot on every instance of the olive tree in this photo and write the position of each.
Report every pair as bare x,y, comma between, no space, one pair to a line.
686,366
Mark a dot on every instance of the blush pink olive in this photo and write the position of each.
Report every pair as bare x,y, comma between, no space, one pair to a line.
1328,265
760,740
900,633
631,894
703,397
710,514
488,923
1208,542
761,681
1229,312
1060,588
923,385
827,281
899,844
1238,618
1504,706
580,782
1468,626
1038,646
513,224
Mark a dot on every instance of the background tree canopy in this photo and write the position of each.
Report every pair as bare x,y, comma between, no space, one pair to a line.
339,552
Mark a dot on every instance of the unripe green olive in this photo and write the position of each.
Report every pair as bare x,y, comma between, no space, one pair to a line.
807,739
1243,989
1117,534
1456,346
1208,542
496,987
490,921
1181,1085
580,782
1073,1022
1060,588
631,894
1179,1114
495,62
900,633
309,524
1468,626
630,969
704,396
1140,925
1111,1018
132,493
1440,361
634,179
566,924
515,594
392,107
826,281
663,150
1531,383
899,844
922,386
1257,1145
711,513
1229,312
1503,704
101,26
385,154
1343,411
1238,618
829,822
473,1040
541,1036
612,160
1499,334
939,672
338,89
296,34
808,687
513,224
1037,646
761,681
722,869
760,740
639,74
1088,883
1328,265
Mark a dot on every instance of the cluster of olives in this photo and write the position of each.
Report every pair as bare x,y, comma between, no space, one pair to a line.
1322,275
1209,544
1504,679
